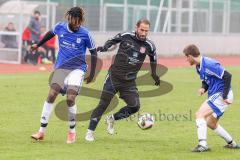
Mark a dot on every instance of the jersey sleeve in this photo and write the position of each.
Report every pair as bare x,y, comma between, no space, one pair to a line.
56,28
117,38
90,42
153,54
215,69
114,40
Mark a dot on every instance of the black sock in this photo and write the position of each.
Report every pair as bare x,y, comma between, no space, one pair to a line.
93,123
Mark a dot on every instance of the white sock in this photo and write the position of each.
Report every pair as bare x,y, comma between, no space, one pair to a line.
202,131
46,112
223,133
72,111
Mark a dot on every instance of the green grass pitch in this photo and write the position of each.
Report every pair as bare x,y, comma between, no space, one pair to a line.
22,96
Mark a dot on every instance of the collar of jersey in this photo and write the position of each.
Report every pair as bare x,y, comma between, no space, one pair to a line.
69,30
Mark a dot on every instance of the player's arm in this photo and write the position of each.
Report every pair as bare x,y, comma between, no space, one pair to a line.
204,86
203,89
109,43
46,37
227,77
153,64
93,65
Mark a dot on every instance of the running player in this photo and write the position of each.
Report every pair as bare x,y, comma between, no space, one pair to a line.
133,48
70,67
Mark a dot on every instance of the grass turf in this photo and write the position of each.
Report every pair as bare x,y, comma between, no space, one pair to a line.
172,137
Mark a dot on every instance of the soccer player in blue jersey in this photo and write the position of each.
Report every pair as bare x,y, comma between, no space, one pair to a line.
217,82
70,67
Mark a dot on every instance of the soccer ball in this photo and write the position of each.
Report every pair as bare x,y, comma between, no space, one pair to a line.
145,121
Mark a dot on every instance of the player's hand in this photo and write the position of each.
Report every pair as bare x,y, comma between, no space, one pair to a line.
101,49
33,47
227,101
156,79
201,91
88,79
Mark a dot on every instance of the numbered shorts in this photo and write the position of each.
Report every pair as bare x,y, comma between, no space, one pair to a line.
68,79
218,105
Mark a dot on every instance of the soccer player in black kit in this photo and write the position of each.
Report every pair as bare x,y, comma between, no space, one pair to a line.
133,48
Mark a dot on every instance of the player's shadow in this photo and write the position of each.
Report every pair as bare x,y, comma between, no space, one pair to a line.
146,80
61,109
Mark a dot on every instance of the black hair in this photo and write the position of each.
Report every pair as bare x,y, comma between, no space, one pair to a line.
75,12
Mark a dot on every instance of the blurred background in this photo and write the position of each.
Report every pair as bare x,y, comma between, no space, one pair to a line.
213,25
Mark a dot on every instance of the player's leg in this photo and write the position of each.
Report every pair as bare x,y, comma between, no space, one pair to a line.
131,98
201,115
73,82
213,124
56,83
46,111
219,107
105,99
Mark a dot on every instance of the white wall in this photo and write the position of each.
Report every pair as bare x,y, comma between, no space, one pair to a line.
172,45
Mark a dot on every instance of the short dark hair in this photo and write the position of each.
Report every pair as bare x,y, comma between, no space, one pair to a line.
191,50
75,12
143,20
37,12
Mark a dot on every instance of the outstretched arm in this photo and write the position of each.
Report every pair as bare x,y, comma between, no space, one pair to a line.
116,39
46,37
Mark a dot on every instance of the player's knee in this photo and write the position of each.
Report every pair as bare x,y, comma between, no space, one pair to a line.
70,100
212,126
71,96
55,87
52,96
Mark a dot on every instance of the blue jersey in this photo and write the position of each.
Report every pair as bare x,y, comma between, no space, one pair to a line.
72,47
211,72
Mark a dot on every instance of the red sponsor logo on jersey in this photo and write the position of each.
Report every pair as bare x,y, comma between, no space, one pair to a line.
142,49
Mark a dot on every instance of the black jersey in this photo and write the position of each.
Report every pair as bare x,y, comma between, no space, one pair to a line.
130,55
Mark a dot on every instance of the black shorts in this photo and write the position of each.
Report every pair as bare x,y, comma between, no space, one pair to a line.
125,88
